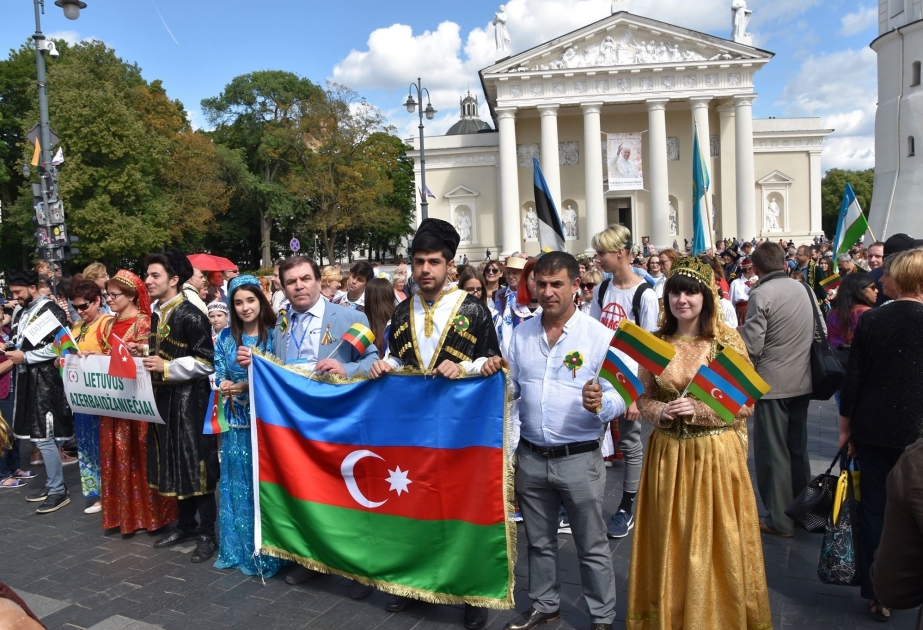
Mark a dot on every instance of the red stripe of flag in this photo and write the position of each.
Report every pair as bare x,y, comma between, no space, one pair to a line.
721,397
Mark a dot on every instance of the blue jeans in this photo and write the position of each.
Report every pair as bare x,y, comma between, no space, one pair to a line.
53,467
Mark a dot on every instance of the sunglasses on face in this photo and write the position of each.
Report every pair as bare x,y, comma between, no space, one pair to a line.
82,307
872,287
587,286
492,271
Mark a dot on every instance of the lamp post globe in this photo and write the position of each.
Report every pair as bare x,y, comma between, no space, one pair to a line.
430,112
71,8
410,104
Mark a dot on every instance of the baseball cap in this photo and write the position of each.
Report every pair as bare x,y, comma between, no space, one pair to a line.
900,242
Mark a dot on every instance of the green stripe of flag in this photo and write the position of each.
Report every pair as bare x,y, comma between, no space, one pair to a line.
617,384
713,404
449,557
648,352
739,377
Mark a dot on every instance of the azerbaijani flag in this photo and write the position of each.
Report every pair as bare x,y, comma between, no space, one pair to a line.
851,224
831,282
359,337
622,378
651,353
409,498
64,343
737,371
215,421
722,397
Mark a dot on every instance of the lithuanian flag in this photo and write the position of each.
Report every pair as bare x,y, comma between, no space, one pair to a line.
622,378
215,420
722,397
738,371
831,282
651,353
359,337
411,499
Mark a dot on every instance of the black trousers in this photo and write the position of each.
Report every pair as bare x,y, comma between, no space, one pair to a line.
207,510
875,463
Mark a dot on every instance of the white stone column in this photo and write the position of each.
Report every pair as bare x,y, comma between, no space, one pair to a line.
700,120
746,180
659,212
551,166
510,222
727,215
815,180
593,172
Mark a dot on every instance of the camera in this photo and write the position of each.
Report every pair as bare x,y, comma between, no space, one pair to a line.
53,51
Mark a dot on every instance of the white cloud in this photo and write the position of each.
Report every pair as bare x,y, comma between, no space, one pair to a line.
853,23
840,87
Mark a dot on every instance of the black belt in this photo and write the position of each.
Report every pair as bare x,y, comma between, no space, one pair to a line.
562,450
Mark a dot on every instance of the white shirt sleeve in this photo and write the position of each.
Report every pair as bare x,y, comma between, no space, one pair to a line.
649,312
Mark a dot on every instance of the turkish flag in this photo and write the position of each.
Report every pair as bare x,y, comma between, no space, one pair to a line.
120,362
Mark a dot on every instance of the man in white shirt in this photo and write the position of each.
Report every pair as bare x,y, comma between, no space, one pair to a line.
740,289
655,269
624,296
553,360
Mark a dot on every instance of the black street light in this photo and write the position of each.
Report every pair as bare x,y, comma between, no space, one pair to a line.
430,113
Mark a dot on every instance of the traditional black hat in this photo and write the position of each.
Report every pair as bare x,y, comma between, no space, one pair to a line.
730,251
441,230
180,264
17,278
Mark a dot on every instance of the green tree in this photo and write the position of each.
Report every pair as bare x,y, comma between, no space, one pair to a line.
832,187
260,113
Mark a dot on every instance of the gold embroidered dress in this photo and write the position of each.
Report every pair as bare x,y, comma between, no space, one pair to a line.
696,557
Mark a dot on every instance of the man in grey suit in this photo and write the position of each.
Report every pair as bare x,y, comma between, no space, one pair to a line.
308,333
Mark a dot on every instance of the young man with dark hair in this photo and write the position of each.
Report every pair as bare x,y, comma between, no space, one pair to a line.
181,461
450,333
810,271
354,295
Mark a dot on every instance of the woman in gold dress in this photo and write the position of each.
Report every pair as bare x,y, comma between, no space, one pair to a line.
696,558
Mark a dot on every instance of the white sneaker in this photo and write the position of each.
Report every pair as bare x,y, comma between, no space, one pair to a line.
96,508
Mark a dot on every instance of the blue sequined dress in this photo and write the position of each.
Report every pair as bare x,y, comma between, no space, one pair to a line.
235,486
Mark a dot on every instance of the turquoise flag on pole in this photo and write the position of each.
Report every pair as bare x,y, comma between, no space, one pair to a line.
700,183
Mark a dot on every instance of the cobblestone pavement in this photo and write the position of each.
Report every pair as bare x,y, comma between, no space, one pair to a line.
74,576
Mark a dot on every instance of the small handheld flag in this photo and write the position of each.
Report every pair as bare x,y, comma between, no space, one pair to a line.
359,337
651,353
737,371
121,363
722,397
215,422
64,343
830,283
621,377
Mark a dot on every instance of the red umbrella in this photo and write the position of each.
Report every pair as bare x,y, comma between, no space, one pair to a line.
207,262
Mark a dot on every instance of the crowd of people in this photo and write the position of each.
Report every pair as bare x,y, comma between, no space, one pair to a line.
696,557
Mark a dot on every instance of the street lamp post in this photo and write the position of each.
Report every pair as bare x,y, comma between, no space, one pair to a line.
411,105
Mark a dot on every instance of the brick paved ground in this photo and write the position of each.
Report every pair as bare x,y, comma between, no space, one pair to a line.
74,576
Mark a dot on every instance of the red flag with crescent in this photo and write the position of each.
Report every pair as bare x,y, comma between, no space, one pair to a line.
121,363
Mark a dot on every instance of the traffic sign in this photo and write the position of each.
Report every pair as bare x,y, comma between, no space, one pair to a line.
294,245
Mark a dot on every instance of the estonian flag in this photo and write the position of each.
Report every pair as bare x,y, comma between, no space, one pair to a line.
550,230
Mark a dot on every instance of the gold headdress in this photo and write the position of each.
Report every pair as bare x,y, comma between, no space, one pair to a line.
694,268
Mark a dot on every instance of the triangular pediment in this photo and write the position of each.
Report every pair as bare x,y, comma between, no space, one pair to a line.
461,191
776,177
624,39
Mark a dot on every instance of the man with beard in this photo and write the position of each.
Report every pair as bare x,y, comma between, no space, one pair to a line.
441,330
41,413
181,461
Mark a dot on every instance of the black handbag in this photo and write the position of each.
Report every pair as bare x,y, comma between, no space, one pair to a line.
827,373
812,507
839,554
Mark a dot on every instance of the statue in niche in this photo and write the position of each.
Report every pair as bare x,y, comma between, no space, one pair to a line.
463,225
741,19
673,149
501,35
530,224
570,222
772,216
672,219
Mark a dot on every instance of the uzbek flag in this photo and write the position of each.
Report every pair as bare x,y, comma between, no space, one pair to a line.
722,397
651,353
622,378
215,420
64,343
359,337
411,498
738,371
851,224
831,282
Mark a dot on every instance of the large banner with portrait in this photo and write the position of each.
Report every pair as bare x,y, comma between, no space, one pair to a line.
623,154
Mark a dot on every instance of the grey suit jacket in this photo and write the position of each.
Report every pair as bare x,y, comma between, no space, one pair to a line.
340,318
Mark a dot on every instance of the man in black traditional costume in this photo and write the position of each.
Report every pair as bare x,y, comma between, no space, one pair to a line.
441,330
41,413
181,461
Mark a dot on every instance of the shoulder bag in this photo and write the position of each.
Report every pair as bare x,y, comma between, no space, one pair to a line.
826,371
812,507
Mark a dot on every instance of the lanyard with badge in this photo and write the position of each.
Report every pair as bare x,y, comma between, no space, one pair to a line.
300,342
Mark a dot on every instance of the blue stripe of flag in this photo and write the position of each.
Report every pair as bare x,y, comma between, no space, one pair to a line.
724,386
395,410
613,356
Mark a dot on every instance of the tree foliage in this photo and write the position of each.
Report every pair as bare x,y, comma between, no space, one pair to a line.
832,187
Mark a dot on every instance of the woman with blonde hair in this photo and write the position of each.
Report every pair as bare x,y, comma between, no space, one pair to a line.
96,273
330,280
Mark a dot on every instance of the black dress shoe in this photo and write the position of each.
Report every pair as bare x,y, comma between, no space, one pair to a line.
205,548
300,574
174,538
399,604
475,617
532,618
358,590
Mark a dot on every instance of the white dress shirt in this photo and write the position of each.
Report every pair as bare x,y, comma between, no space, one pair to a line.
551,396
303,344
183,368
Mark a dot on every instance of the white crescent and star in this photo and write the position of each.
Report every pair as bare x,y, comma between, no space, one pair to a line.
123,352
398,478
716,393
621,377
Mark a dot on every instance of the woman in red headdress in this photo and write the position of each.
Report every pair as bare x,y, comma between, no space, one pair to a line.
128,502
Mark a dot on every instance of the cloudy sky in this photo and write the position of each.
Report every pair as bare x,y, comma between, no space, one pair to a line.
823,65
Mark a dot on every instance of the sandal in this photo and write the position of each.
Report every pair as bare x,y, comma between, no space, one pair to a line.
11,482
879,612
23,474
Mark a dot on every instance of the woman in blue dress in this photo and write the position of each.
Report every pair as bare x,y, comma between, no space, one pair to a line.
251,324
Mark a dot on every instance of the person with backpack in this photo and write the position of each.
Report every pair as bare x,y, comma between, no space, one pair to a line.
625,295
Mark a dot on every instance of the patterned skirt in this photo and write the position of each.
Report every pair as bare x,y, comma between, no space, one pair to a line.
87,434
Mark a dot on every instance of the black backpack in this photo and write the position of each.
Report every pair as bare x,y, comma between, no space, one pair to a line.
635,300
